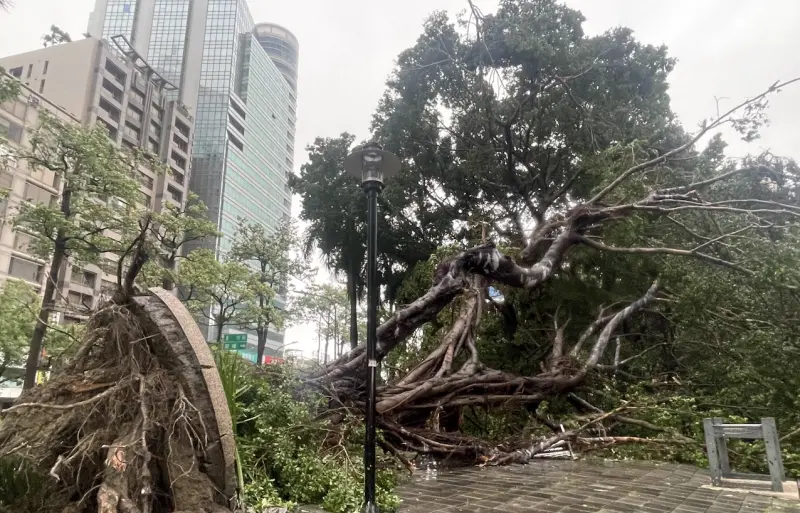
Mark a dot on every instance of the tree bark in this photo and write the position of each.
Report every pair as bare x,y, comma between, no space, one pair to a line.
262,333
336,348
48,305
219,329
327,336
352,296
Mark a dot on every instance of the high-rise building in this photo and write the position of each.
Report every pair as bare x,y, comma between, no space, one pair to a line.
239,81
87,83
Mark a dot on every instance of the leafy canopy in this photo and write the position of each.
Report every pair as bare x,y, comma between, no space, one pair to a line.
99,191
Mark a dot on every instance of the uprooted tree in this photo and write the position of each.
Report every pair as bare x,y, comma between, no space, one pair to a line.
565,148
133,421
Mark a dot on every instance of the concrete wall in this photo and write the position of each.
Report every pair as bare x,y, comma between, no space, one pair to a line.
69,67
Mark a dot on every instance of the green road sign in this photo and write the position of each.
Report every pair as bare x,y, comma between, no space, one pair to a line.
235,337
234,345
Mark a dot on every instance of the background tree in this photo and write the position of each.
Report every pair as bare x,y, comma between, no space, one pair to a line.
332,207
326,307
55,37
274,258
564,146
99,195
411,226
172,229
9,87
218,291
18,304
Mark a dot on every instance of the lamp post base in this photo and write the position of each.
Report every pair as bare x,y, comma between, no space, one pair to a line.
371,508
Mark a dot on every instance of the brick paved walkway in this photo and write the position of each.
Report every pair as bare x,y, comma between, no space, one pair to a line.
581,487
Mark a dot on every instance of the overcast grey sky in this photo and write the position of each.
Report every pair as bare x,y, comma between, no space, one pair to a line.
725,48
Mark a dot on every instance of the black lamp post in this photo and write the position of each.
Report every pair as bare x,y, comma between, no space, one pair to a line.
371,163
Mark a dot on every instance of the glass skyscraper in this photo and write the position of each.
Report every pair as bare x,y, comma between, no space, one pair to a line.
239,82
245,102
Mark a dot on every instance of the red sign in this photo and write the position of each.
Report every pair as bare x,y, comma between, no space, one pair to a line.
269,360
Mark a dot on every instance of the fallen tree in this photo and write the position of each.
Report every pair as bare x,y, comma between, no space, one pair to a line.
451,376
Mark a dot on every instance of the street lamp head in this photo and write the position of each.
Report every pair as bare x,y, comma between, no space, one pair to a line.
372,164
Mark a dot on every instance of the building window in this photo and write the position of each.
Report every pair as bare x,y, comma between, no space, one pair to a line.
117,73
112,111
25,270
83,278
41,86
235,141
80,301
153,145
37,195
131,130
137,97
178,177
146,180
146,200
22,242
110,130
30,70
16,72
109,267
156,112
44,68
134,114
10,130
6,180
16,107
175,194
180,143
182,128
114,90
238,109
178,160
238,126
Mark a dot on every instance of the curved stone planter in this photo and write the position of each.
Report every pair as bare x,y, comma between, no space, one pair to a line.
185,349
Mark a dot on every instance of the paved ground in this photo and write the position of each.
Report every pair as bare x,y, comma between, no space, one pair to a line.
581,487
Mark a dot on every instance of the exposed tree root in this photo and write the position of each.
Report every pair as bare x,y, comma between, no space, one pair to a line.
115,428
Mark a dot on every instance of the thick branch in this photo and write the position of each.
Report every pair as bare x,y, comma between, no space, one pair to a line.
613,324
667,251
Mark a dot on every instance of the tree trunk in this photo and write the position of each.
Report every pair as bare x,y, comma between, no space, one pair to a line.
166,281
263,333
327,336
319,345
219,329
351,295
336,350
48,304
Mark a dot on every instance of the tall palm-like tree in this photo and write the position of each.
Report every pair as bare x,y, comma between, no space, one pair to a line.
333,207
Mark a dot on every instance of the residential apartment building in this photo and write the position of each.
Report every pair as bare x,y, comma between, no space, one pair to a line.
87,83
243,77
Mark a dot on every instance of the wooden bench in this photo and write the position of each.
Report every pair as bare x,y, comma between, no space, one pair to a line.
717,433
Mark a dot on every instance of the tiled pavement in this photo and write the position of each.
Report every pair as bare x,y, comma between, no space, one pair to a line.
581,487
